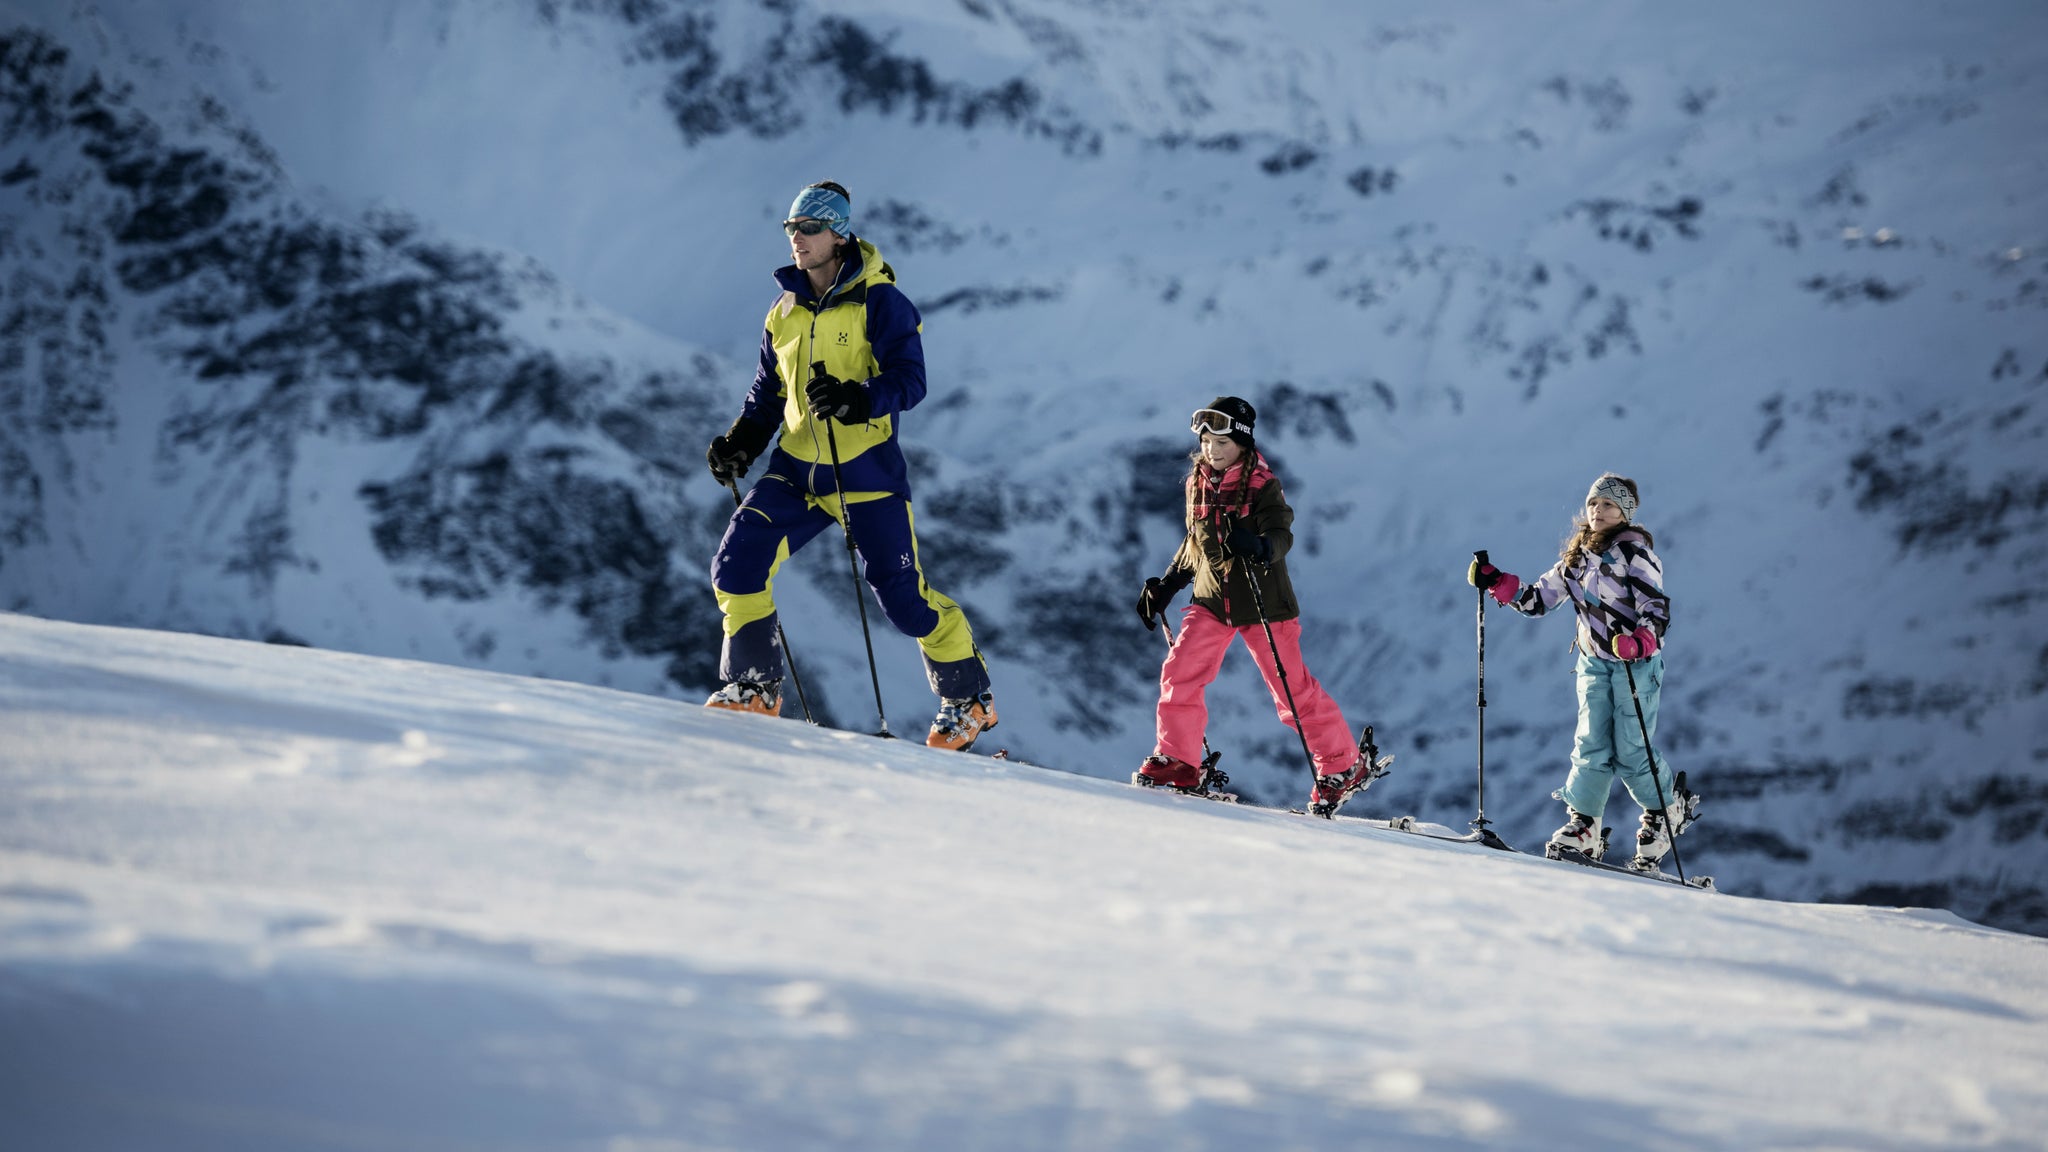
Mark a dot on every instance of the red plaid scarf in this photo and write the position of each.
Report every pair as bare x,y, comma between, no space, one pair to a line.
1212,494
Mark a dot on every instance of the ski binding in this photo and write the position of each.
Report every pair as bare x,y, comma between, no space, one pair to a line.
1370,753
1213,780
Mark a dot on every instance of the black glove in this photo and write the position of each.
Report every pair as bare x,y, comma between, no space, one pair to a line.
732,454
1482,575
1153,600
1245,542
835,399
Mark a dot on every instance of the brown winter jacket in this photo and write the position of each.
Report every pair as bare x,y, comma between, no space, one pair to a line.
1222,583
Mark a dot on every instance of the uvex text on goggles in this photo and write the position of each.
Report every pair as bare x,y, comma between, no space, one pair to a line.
1216,423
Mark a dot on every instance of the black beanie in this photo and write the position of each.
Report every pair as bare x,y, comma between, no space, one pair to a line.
1240,411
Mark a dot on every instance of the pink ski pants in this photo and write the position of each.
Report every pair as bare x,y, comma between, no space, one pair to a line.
1197,656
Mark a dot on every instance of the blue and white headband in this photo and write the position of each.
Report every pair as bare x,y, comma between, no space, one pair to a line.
1610,487
824,204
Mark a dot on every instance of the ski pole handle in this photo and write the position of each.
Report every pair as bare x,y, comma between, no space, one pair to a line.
1481,564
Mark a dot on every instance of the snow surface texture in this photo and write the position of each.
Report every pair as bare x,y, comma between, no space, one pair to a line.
262,897
399,328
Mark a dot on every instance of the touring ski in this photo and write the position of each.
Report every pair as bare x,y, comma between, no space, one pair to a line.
1574,856
1369,747
1415,827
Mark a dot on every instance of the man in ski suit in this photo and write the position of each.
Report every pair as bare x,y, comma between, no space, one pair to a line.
841,360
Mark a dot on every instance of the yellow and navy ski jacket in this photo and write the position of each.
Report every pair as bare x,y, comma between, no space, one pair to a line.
864,329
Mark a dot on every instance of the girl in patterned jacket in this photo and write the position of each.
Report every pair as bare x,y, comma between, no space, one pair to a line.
1239,532
1615,583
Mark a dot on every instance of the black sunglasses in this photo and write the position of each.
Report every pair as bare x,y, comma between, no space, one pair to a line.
807,227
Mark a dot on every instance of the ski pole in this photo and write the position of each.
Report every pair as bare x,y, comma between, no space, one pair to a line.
1279,665
859,601
1485,834
1663,808
1480,822
788,657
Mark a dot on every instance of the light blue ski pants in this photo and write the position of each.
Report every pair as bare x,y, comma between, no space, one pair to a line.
1609,741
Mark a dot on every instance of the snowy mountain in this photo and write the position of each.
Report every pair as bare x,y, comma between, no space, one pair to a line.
260,897
399,328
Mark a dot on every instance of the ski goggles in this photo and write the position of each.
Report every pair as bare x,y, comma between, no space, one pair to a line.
1214,423
807,227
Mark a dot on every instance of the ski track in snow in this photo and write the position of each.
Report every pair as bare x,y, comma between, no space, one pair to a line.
267,897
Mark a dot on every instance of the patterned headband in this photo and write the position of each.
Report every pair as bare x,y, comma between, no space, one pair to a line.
1609,486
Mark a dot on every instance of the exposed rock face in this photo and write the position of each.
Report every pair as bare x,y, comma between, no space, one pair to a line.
263,328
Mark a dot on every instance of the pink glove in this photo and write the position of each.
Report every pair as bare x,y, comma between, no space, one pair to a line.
1504,589
1503,585
1640,644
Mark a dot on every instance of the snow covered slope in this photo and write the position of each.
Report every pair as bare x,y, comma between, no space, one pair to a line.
262,897
398,328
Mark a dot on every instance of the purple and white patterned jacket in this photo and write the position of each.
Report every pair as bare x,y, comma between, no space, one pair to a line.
1614,591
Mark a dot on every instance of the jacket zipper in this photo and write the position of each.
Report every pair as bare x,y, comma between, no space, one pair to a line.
811,349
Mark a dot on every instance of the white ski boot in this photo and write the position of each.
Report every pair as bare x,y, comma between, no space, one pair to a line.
1581,833
1653,840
